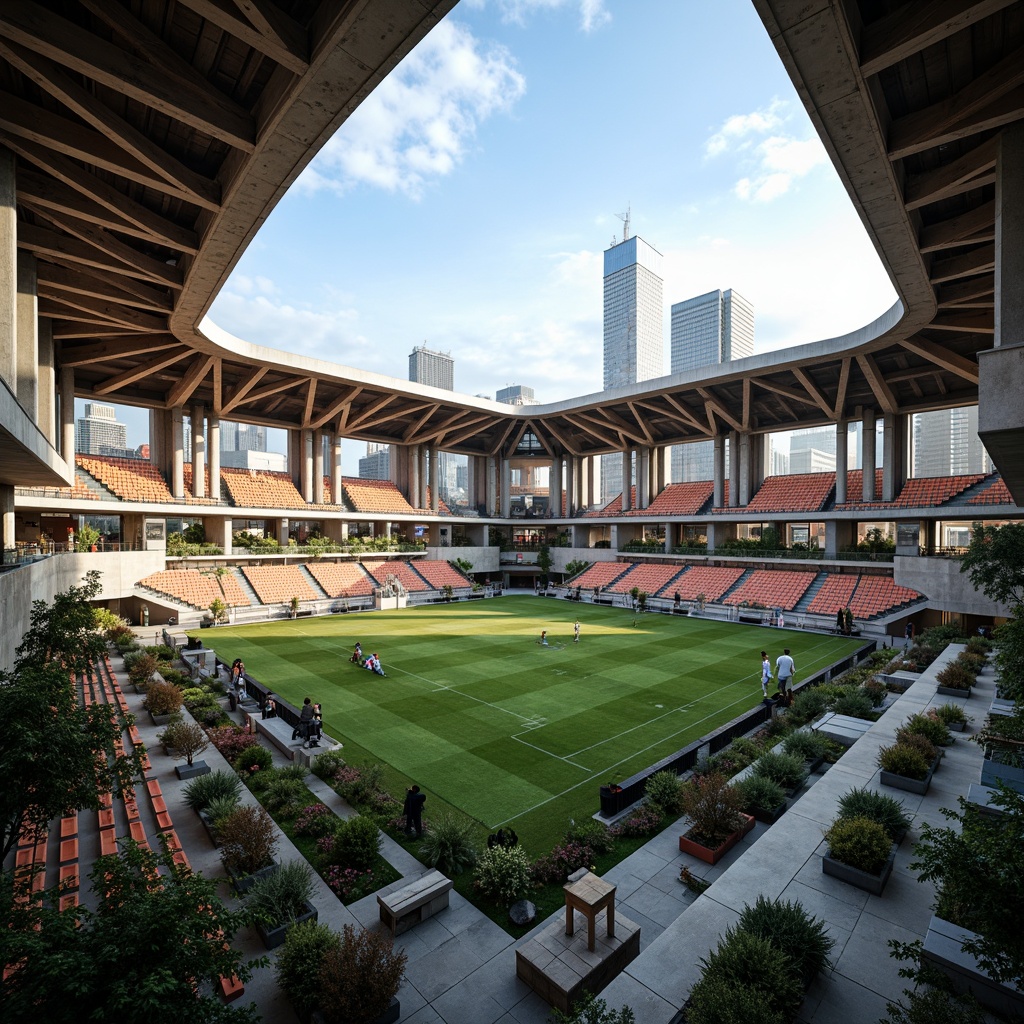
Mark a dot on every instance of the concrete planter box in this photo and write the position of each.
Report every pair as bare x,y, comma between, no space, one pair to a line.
956,726
274,937
873,884
772,816
713,856
389,1016
192,771
918,786
993,772
952,691
943,948
243,883
160,719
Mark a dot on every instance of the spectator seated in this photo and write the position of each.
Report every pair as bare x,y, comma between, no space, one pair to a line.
773,588
796,492
876,595
343,579
835,593
441,574
278,584
402,571
648,578
687,499
380,496
600,574
129,479
711,581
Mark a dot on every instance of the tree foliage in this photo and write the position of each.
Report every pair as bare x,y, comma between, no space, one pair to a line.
151,951
48,741
995,562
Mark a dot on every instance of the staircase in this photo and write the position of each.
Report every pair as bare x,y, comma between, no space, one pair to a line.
312,581
247,589
739,583
809,594
90,483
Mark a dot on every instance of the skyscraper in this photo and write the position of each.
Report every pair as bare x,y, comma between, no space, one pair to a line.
946,443
99,433
516,394
633,329
707,330
434,368
242,437
376,463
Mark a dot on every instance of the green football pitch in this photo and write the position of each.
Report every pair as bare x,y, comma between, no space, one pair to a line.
486,719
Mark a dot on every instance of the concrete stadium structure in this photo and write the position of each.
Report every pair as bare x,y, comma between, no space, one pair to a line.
142,148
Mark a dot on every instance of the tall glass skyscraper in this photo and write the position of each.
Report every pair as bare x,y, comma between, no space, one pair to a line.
434,368
707,330
633,329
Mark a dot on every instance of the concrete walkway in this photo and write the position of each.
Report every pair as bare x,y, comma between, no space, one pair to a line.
462,966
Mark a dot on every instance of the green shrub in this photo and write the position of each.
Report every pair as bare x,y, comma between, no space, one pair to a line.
979,645
787,770
666,790
903,760
356,843
712,803
295,770
760,794
973,661
249,839
253,760
916,741
284,796
808,705
859,842
745,751
162,699
588,1009
160,651
219,808
875,692
281,896
744,960
299,962
806,744
201,791
359,978
955,676
791,930
718,1000
327,765
855,704
590,833
931,728
950,714
885,810
503,873
935,1006
450,844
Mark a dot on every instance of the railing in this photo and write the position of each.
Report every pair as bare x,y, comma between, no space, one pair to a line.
633,789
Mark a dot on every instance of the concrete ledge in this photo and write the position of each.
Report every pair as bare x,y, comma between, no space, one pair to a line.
279,733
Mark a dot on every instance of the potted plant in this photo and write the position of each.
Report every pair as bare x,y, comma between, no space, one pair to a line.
299,961
187,739
808,745
860,853
88,538
717,824
955,680
764,798
280,900
293,606
249,840
141,667
905,767
787,770
359,979
789,928
162,701
878,807
1003,740
952,716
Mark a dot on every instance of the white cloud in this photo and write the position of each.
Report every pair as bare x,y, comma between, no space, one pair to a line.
420,120
771,162
593,13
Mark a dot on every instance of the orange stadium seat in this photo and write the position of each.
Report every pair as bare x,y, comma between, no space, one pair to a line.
614,507
187,586
835,593
711,581
600,574
679,500
773,588
918,492
278,584
210,499
997,493
402,571
380,496
342,579
264,488
441,574
797,492
129,479
878,594
649,578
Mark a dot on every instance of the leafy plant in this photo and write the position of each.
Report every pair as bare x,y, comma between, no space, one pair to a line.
761,794
359,978
588,1009
951,714
806,744
249,839
791,930
450,844
219,808
666,790
503,873
356,843
915,741
956,677
142,669
931,728
185,737
300,960
231,740
935,1006
712,804
200,792
808,704
218,609
316,820
788,770
327,764
253,759
854,704
720,1000
859,842
878,807
162,699
284,796
903,760
281,897
592,833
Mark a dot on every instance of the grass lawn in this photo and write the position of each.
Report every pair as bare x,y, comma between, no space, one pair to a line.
511,733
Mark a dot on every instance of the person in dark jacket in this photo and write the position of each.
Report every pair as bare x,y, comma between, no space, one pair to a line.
413,810
305,717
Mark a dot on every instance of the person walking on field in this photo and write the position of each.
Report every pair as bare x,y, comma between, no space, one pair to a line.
766,672
576,632
784,669
413,811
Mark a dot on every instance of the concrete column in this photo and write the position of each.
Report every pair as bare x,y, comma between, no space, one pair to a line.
571,484
842,434
213,455
759,461
8,272
643,477
435,481
867,453
295,457
198,451
281,528
47,382
895,455
839,534
718,457
177,452
27,331
734,470
627,480
491,499
663,470
421,496
506,488
218,531
67,414
746,491
306,465
413,456
336,484
555,488
1009,273
318,467
7,517
669,538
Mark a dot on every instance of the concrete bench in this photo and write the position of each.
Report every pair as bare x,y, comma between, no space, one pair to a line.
427,895
279,732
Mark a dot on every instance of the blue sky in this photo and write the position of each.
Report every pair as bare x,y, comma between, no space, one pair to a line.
467,202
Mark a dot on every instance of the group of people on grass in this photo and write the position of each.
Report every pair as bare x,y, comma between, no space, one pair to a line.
784,672
544,642
371,662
